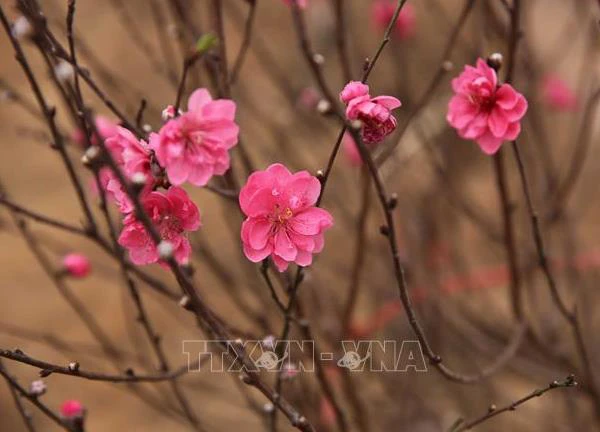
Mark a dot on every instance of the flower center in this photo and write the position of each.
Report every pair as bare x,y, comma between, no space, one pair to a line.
169,227
281,215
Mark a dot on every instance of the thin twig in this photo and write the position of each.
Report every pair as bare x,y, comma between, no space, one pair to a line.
47,368
493,411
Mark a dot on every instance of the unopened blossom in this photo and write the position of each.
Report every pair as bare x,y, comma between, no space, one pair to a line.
375,113
195,146
558,95
308,98
76,265
169,112
132,156
173,215
282,220
383,12
104,126
21,28
289,371
72,409
483,111
37,388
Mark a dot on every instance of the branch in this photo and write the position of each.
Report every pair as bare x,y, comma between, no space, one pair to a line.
493,411
49,368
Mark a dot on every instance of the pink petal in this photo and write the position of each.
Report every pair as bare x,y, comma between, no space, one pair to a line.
257,255
258,232
219,109
304,259
198,99
280,263
284,247
489,144
497,123
388,102
311,221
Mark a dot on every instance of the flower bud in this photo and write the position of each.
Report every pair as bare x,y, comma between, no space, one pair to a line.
72,411
64,71
495,61
318,59
21,28
323,106
165,250
37,388
169,112
76,265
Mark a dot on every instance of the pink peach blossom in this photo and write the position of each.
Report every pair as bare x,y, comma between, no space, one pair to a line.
282,220
76,265
558,95
351,150
383,12
132,156
375,113
173,214
105,127
72,409
194,146
483,111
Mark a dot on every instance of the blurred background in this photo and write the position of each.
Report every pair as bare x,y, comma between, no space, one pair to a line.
448,213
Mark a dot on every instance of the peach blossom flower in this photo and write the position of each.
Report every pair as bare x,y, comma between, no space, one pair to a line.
558,95
483,111
133,157
173,214
282,220
76,265
375,113
383,12
195,146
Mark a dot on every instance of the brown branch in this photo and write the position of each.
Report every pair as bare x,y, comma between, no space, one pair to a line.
34,400
493,411
241,56
444,67
47,368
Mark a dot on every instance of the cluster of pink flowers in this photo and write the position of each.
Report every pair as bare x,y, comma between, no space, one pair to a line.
375,113
282,219
193,146
383,12
173,214
483,111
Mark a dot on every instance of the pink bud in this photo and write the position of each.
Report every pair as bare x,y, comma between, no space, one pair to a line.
168,113
558,95
72,409
77,265
289,371
308,98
